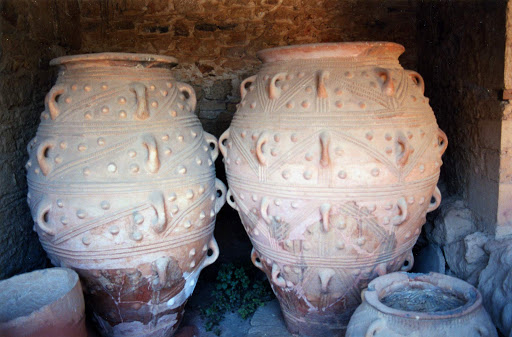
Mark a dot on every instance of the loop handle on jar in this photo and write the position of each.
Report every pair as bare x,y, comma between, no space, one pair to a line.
410,262
153,160
140,91
243,86
43,208
189,93
51,100
230,200
157,200
212,140
276,276
42,156
220,200
223,149
215,253
404,150
437,196
398,219
256,259
417,79
274,92
375,327
442,140
259,148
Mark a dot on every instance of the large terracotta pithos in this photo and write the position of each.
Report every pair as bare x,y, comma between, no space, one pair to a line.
332,160
122,188
420,305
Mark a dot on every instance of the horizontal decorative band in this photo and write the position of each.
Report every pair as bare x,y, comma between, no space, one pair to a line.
335,119
116,128
121,252
315,192
304,260
100,188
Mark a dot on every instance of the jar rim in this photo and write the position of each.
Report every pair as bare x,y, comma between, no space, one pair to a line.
150,59
329,50
384,285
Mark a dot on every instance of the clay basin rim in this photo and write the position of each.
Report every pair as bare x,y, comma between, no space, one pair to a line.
148,60
328,50
26,295
384,285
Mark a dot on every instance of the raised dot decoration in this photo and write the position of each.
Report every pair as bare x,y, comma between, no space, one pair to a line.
81,214
112,167
114,229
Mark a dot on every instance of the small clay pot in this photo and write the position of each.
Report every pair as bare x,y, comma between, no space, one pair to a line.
402,304
46,302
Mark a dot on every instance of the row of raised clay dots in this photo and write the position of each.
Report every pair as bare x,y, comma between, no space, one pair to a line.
309,89
191,254
137,217
341,224
121,100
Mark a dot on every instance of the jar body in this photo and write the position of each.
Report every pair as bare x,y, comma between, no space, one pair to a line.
331,163
122,189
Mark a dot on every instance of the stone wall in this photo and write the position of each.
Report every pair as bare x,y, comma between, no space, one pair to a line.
32,33
461,56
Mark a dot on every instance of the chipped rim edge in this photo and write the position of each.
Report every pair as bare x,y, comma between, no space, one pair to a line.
328,50
129,57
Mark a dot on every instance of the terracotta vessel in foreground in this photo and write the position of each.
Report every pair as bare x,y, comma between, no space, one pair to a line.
122,188
332,160
43,303
420,305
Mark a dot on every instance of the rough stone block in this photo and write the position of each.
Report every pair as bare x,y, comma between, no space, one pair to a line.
454,222
495,284
219,90
467,257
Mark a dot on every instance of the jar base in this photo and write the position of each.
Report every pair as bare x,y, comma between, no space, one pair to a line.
316,324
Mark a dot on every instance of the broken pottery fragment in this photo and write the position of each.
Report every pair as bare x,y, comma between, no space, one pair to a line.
42,303
122,188
420,305
332,160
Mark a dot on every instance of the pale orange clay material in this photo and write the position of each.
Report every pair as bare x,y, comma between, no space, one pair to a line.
332,162
43,303
122,188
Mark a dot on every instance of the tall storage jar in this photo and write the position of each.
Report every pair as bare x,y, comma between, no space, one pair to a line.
122,188
332,161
